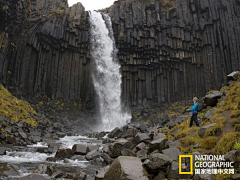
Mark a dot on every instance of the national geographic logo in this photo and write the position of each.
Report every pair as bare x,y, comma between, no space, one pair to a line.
206,164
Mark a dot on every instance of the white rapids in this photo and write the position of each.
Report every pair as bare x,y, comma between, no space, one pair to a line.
106,75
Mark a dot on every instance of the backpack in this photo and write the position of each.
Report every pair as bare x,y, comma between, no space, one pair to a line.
200,107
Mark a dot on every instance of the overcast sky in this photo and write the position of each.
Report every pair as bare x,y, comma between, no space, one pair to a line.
92,4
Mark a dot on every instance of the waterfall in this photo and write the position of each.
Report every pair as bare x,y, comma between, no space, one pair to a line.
107,77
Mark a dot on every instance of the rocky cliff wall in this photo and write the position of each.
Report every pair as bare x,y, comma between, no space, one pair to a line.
169,49
44,49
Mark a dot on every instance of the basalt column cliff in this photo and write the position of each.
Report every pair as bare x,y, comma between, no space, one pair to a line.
169,50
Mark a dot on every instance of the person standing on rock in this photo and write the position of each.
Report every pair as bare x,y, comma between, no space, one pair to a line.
194,111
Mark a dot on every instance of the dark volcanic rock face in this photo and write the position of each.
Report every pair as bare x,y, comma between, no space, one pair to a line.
169,50
44,48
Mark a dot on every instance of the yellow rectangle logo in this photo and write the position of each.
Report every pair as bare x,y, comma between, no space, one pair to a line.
180,164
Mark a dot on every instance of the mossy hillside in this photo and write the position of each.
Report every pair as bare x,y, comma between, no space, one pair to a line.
14,109
220,138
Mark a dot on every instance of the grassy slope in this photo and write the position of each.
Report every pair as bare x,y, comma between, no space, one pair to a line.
223,136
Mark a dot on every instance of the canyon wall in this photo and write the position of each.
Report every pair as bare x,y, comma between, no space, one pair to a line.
173,50
169,50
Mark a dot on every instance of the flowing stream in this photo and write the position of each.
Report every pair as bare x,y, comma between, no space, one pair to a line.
107,77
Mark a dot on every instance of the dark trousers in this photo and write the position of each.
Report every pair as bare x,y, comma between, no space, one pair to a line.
194,118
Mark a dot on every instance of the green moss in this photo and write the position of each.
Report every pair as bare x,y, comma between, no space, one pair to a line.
214,131
235,113
237,127
236,146
15,109
209,142
226,143
235,121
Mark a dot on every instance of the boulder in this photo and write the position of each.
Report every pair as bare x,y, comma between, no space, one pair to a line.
101,173
23,134
35,133
211,99
8,170
80,149
128,152
232,156
209,114
141,137
173,172
126,168
143,153
92,147
107,158
233,76
114,149
115,133
156,162
203,129
172,153
64,153
158,136
143,127
93,155
141,146
3,150
174,144
158,144
131,132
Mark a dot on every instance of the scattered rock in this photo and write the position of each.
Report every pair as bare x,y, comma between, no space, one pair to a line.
174,171
158,144
160,176
80,149
101,173
64,153
93,155
233,76
209,114
3,150
156,162
8,170
115,133
172,153
211,99
126,168
203,129
141,137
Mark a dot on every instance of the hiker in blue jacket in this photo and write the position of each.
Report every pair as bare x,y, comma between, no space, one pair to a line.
194,111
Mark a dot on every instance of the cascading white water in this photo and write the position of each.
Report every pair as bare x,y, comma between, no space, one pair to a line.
106,75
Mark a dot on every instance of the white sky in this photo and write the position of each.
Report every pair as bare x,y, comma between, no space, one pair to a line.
92,4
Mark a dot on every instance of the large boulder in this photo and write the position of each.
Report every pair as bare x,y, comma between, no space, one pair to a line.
211,99
115,149
64,153
158,144
115,133
93,155
142,137
80,149
233,76
126,168
172,153
156,162
203,129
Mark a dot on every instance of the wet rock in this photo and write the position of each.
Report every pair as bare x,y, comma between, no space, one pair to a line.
64,153
156,162
8,170
101,135
126,168
233,76
41,169
3,150
93,155
141,137
107,158
203,129
92,147
211,99
80,149
101,173
115,133
172,153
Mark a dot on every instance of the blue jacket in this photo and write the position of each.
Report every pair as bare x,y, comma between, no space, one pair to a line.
194,108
